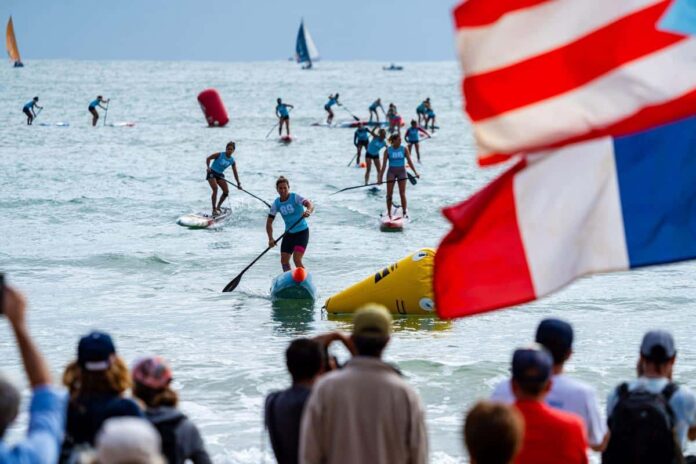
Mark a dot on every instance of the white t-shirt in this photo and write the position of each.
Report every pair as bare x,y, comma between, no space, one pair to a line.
682,402
568,395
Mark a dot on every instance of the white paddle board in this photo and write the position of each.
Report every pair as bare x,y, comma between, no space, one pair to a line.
204,220
396,223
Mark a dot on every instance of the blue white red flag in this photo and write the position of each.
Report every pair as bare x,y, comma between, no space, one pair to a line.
607,204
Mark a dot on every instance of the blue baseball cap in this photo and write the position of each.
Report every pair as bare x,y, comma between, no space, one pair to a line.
555,334
94,351
658,345
531,364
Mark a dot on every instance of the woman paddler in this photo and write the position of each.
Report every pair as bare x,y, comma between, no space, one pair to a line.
395,157
333,100
215,176
291,207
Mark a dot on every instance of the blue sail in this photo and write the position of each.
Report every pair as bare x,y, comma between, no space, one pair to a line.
301,51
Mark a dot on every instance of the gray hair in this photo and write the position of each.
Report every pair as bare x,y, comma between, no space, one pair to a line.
9,404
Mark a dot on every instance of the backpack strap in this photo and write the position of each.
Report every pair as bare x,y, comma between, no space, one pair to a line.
622,391
669,390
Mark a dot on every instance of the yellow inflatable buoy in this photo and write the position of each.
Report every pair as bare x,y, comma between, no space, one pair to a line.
405,287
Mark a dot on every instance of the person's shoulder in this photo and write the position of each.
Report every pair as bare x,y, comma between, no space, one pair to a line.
503,392
566,419
124,407
569,385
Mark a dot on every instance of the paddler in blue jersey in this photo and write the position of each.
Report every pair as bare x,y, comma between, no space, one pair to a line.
396,157
93,108
28,109
373,108
412,137
395,121
361,138
377,143
333,100
422,109
429,116
283,113
215,176
291,207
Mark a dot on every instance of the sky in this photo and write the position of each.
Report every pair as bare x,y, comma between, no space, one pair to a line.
231,30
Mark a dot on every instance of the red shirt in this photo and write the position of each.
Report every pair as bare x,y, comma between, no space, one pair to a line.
551,436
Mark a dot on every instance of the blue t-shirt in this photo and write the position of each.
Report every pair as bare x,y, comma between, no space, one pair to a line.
94,104
421,108
397,157
222,162
374,106
412,134
375,145
682,402
331,102
292,210
45,433
362,134
29,105
282,109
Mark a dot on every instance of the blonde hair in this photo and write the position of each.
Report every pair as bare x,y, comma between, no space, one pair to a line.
116,379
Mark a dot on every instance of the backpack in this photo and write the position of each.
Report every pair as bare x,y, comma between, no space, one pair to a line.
167,431
642,428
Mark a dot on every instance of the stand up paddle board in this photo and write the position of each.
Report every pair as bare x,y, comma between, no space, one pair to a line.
286,138
396,223
373,190
121,124
204,220
56,124
293,285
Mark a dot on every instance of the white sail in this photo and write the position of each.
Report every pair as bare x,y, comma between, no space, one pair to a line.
311,47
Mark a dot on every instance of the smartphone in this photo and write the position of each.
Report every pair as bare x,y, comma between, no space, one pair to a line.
2,290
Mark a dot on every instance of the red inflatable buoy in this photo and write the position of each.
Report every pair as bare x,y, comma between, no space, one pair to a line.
299,274
213,108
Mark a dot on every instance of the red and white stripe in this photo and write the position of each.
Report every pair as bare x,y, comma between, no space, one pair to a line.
543,73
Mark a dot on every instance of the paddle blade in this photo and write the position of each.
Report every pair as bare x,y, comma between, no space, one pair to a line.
233,283
411,178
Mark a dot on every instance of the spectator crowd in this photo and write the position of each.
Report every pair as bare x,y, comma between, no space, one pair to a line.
361,412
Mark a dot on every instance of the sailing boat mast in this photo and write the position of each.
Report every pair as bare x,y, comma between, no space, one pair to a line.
11,43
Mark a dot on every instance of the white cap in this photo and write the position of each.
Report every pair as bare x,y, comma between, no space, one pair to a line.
129,440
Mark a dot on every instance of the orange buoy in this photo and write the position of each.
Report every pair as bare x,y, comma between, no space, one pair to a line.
213,108
362,164
299,274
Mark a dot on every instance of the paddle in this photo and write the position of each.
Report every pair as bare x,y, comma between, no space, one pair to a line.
248,193
411,179
350,112
37,114
234,282
351,160
106,111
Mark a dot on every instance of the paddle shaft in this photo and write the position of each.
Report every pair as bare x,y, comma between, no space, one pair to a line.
410,178
248,193
106,111
350,112
276,125
36,115
229,287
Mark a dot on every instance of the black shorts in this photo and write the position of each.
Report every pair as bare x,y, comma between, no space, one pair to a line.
371,156
27,112
285,118
295,242
214,175
328,108
362,143
93,111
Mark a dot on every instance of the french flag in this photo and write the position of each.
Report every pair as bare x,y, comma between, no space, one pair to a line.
540,74
608,204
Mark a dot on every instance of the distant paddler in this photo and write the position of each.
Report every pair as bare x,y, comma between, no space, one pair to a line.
215,176
361,138
377,143
394,119
333,100
283,112
429,116
421,110
291,207
395,157
373,109
412,137
29,109
96,103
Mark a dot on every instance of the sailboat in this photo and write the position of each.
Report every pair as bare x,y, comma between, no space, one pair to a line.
305,50
12,49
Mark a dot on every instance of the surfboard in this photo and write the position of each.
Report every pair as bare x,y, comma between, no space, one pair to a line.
395,224
54,124
122,124
285,287
286,138
204,220
323,124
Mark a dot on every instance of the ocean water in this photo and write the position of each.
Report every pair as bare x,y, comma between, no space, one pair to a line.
88,232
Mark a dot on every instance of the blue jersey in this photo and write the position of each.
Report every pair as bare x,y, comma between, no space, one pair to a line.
374,106
292,210
282,109
222,162
397,157
29,105
332,101
375,145
412,135
362,134
94,104
421,109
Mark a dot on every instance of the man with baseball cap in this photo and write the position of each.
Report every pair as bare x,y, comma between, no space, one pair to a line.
551,436
566,394
364,412
654,393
